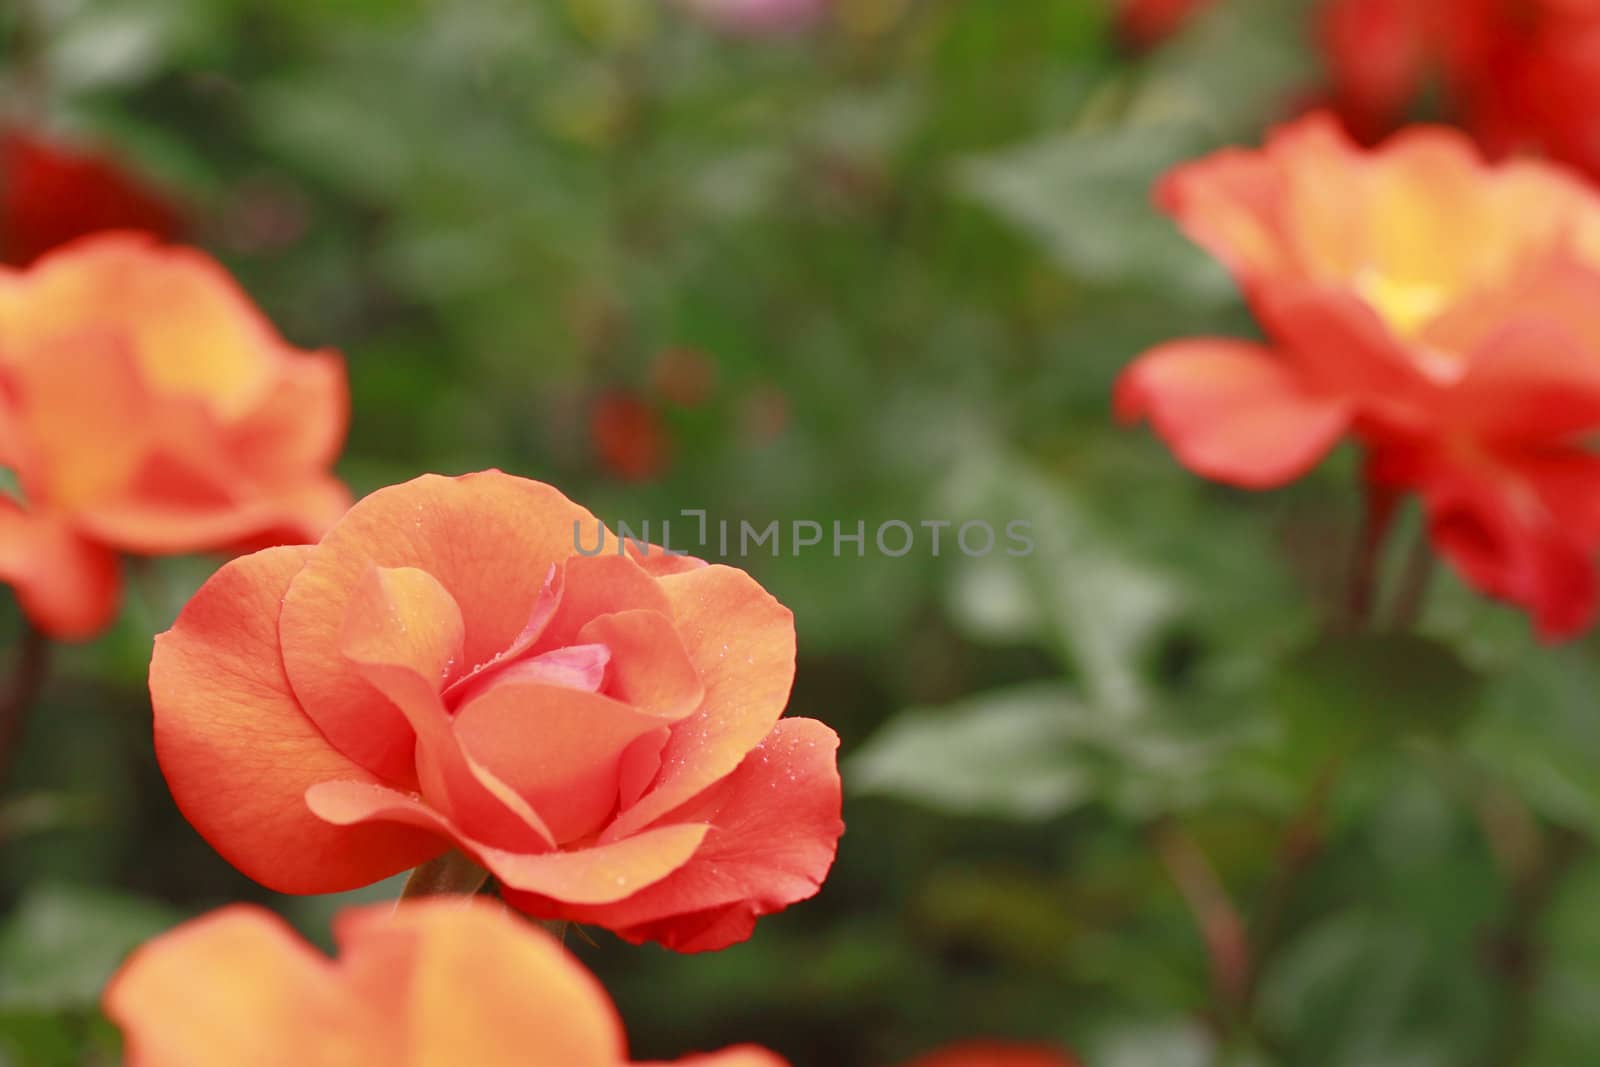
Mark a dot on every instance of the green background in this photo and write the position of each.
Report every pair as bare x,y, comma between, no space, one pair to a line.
915,247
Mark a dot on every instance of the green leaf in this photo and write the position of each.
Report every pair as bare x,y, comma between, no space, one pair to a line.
1375,990
63,943
1567,1026
1165,1042
1100,604
1541,733
1035,752
1085,198
1234,68
1344,691
1015,753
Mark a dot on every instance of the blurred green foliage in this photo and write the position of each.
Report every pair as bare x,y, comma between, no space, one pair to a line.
914,249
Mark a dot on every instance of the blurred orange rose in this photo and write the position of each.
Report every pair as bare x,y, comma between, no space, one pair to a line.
439,983
601,732
1440,310
51,193
147,407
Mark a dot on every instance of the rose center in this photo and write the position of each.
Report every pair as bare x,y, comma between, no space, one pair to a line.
1407,306
581,667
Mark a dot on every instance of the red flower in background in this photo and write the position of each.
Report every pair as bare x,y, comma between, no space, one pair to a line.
435,983
1519,74
1548,98
601,732
147,408
994,1054
1146,23
51,193
1443,311
629,436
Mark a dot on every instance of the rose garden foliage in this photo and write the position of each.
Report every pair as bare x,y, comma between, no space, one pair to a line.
331,334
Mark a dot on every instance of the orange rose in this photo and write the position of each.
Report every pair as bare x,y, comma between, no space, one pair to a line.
430,984
1439,309
601,732
147,407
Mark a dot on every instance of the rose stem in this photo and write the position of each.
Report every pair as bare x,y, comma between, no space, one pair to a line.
451,873
1414,581
33,656
1218,921
1375,524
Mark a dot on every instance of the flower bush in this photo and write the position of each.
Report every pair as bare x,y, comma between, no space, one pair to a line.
430,770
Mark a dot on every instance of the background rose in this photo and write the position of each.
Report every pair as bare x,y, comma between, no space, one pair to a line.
994,1054
147,407
1433,306
1146,23
432,984
52,193
600,732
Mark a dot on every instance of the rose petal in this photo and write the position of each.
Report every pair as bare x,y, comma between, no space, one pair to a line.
775,828
403,631
1531,381
544,608
195,332
1267,213
599,874
718,609
738,1056
1231,411
488,538
639,766
68,586
77,444
658,561
649,667
239,754
1338,347
1520,525
300,426
474,984
558,748
600,585
581,667
237,987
